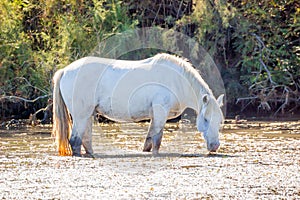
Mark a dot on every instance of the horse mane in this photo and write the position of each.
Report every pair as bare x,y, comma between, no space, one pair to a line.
189,70
181,61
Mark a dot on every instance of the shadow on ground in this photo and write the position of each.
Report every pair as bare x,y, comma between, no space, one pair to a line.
163,155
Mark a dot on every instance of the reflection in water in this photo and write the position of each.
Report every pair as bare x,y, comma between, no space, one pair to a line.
26,142
128,138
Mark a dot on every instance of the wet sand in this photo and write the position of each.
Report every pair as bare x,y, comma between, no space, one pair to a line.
256,160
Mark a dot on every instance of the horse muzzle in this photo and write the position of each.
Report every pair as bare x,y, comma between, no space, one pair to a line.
213,147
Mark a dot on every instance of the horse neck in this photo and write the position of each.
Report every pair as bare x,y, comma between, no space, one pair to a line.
199,88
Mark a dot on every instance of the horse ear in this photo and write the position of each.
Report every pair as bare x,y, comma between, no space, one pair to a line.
205,99
220,100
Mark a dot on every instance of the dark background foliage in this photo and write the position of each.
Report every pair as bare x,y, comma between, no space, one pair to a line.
255,44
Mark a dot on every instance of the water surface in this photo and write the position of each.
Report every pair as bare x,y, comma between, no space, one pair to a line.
255,160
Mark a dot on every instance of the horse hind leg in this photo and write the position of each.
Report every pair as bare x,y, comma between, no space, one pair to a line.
78,130
87,139
75,142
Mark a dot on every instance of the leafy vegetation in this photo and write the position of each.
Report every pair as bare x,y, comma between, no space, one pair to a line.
268,45
257,46
39,37
254,43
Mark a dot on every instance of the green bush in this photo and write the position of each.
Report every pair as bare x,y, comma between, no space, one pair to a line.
39,37
256,45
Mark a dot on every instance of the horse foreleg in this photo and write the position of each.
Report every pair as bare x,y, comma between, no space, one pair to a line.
156,141
153,141
87,139
147,144
154,136
148,141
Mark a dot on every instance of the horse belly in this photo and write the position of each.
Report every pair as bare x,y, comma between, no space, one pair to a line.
143,101
135,111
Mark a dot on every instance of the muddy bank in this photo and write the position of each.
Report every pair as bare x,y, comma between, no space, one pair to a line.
257,160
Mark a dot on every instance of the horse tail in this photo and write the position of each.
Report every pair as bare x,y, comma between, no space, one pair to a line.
62,122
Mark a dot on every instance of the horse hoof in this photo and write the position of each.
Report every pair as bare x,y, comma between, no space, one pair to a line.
146,149
76,155
88,155
147,145
155,153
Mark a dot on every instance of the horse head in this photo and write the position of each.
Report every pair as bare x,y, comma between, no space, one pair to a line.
209,120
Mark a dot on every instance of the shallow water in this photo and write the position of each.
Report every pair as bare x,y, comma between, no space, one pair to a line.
256,160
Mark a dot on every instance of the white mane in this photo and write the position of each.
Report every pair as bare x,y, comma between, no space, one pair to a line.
189,71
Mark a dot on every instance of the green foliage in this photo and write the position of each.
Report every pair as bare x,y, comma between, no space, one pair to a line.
151,13
266,38
271,34
38,37
255,43
212,20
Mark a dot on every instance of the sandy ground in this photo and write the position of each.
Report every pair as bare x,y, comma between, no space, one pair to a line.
257,160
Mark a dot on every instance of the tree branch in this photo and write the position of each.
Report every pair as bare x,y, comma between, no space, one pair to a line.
30,85
23,99
268,71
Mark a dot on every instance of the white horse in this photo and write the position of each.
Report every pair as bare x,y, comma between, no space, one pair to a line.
158,88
